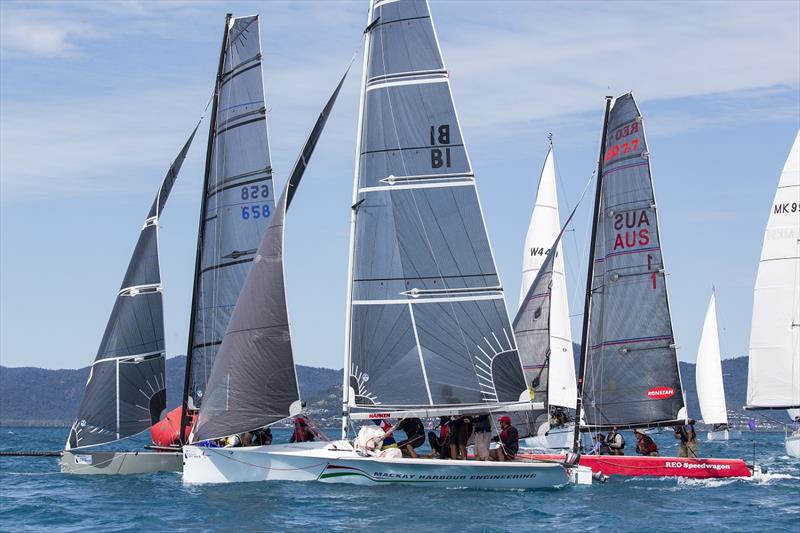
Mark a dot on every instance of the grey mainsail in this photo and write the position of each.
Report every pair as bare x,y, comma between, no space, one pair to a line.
630,368
253,381
427,322
237,200
126,391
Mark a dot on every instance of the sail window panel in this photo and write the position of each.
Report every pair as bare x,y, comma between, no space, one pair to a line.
97,415
143,267
142,393
385,368
403,41
411,130
427,239
135,327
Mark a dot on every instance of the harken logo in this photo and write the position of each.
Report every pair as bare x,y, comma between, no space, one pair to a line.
379,415
660,393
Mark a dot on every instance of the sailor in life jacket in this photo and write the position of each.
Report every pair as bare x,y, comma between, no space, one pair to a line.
616,442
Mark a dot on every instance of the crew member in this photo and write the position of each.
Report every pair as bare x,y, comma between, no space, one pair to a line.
302,433
644,444
508,439
616,442
688,438
415,436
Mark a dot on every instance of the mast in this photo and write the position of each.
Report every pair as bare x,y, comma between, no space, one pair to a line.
201,225
354,209
589,275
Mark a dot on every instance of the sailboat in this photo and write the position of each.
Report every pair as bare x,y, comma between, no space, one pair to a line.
126,390
427,329
708,378
773,376
629,375
552,376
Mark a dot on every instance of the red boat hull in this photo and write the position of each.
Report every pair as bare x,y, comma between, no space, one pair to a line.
631,466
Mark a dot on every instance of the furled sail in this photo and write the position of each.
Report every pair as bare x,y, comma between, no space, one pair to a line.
533,327
544,228
253,381
773,377
427,323
126,392
710,389
237,200
631,375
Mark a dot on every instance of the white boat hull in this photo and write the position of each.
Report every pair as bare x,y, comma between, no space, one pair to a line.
556,439
337,462
116,463
793,445
725,434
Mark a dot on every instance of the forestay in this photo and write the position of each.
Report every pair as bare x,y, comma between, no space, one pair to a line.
126,391
710,389
773,378
558,383
237,197
253,381
631,375
428,326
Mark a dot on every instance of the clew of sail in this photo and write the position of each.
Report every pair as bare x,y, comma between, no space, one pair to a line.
237,200
427,324
773,377
253,381
631,376
559,379
126,391
710,388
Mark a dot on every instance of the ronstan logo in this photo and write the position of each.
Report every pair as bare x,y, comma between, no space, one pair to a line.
660,393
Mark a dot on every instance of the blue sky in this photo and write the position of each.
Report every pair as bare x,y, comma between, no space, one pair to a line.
96,99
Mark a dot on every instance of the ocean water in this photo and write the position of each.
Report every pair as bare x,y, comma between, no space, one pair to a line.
35,496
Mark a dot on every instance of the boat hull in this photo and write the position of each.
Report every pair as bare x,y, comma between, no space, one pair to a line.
793,445
115,463
560,439
337,462
634,466
726,434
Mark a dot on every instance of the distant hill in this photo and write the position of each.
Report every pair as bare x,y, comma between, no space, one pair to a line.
38,397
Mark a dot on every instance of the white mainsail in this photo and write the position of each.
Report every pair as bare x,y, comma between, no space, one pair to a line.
710,389
544,228
773,378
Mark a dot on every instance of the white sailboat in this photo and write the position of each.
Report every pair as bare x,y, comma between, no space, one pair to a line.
773,377
558,389
427,330
708,379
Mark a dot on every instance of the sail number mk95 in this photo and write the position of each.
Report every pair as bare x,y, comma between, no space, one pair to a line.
254,193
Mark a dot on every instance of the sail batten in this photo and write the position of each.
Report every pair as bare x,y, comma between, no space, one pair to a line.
773,377
131,356
427,324
630,369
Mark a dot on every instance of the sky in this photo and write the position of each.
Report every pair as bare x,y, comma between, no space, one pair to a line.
96,99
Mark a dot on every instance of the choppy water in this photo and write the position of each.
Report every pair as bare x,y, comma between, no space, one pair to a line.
34,496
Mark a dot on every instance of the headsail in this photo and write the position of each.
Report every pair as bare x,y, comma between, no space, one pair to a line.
427,324
631,375
533,330
559,386
773,377
126,391
710,389
237,200
253,381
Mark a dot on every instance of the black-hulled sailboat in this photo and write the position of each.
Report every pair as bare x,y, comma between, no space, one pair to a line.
629,376
126,390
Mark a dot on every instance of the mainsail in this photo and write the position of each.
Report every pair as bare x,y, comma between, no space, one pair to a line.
237,200
773,378
630,367
710,389
253,381
558,386
126,391
427,326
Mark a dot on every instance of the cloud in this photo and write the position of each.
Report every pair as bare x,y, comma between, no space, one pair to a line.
22,35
